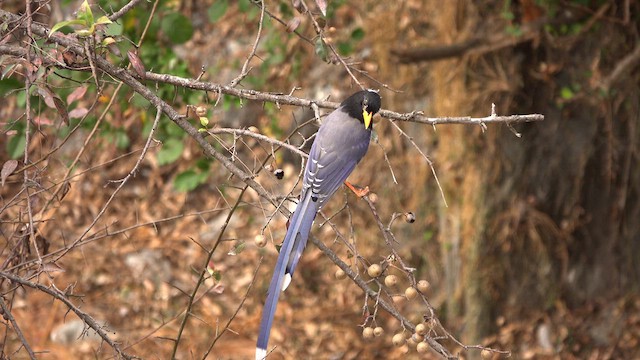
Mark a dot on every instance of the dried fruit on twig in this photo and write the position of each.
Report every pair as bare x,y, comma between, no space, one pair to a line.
374,270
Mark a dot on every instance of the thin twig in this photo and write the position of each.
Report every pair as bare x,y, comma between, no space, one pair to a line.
245,67
204,272
117,190
123,10
57,294
27,132
425,157
249,133
7,314
244,298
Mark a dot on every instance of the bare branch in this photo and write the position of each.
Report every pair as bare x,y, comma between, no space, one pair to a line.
7,314
86,318
204,272
123,10
625,65
245,67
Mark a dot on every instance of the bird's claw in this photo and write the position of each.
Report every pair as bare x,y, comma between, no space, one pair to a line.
360,192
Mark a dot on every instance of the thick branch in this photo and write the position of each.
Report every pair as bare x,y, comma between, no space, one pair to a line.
280,99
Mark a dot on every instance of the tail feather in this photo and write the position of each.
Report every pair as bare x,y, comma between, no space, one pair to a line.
301,241
294,242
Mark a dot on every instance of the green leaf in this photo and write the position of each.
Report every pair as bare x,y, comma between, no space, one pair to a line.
321,49
357,34
121,139
237,249
15,146
9,84
244,5
514,30
85,14
566,93
189,180
217,275
103,20
203,164
114,29
62,24
345,48
186,181
170,152
217,10
177,28
173,130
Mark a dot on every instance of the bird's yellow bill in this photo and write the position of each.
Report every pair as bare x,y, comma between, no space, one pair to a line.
367,118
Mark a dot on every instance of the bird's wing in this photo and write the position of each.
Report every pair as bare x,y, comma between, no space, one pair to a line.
332,158
327,168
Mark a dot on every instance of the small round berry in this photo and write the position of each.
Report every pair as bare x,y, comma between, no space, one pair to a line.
398,339
417,338
421,329
423,285
201,111
410,217
391,280
253,129
367,332
486,354
378,331
374,270
260,240
340,274
422,347
373,197
410,293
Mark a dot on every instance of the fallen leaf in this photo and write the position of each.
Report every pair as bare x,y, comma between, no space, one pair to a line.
7,169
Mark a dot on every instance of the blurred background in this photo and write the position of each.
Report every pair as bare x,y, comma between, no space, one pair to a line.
536,251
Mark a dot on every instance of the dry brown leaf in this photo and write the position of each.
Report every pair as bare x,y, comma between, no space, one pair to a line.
137,64
77,94
7,169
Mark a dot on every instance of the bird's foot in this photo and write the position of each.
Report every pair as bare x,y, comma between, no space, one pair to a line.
360,192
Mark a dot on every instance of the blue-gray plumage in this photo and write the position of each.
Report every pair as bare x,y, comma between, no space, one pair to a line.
343,139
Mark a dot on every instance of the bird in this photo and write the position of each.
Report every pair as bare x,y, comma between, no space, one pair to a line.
339,145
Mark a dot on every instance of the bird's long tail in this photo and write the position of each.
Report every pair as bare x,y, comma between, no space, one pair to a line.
294,243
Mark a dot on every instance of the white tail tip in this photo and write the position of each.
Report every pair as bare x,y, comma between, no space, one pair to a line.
261,354
286,281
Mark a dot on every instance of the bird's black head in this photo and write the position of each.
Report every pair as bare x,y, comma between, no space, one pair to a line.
362,106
